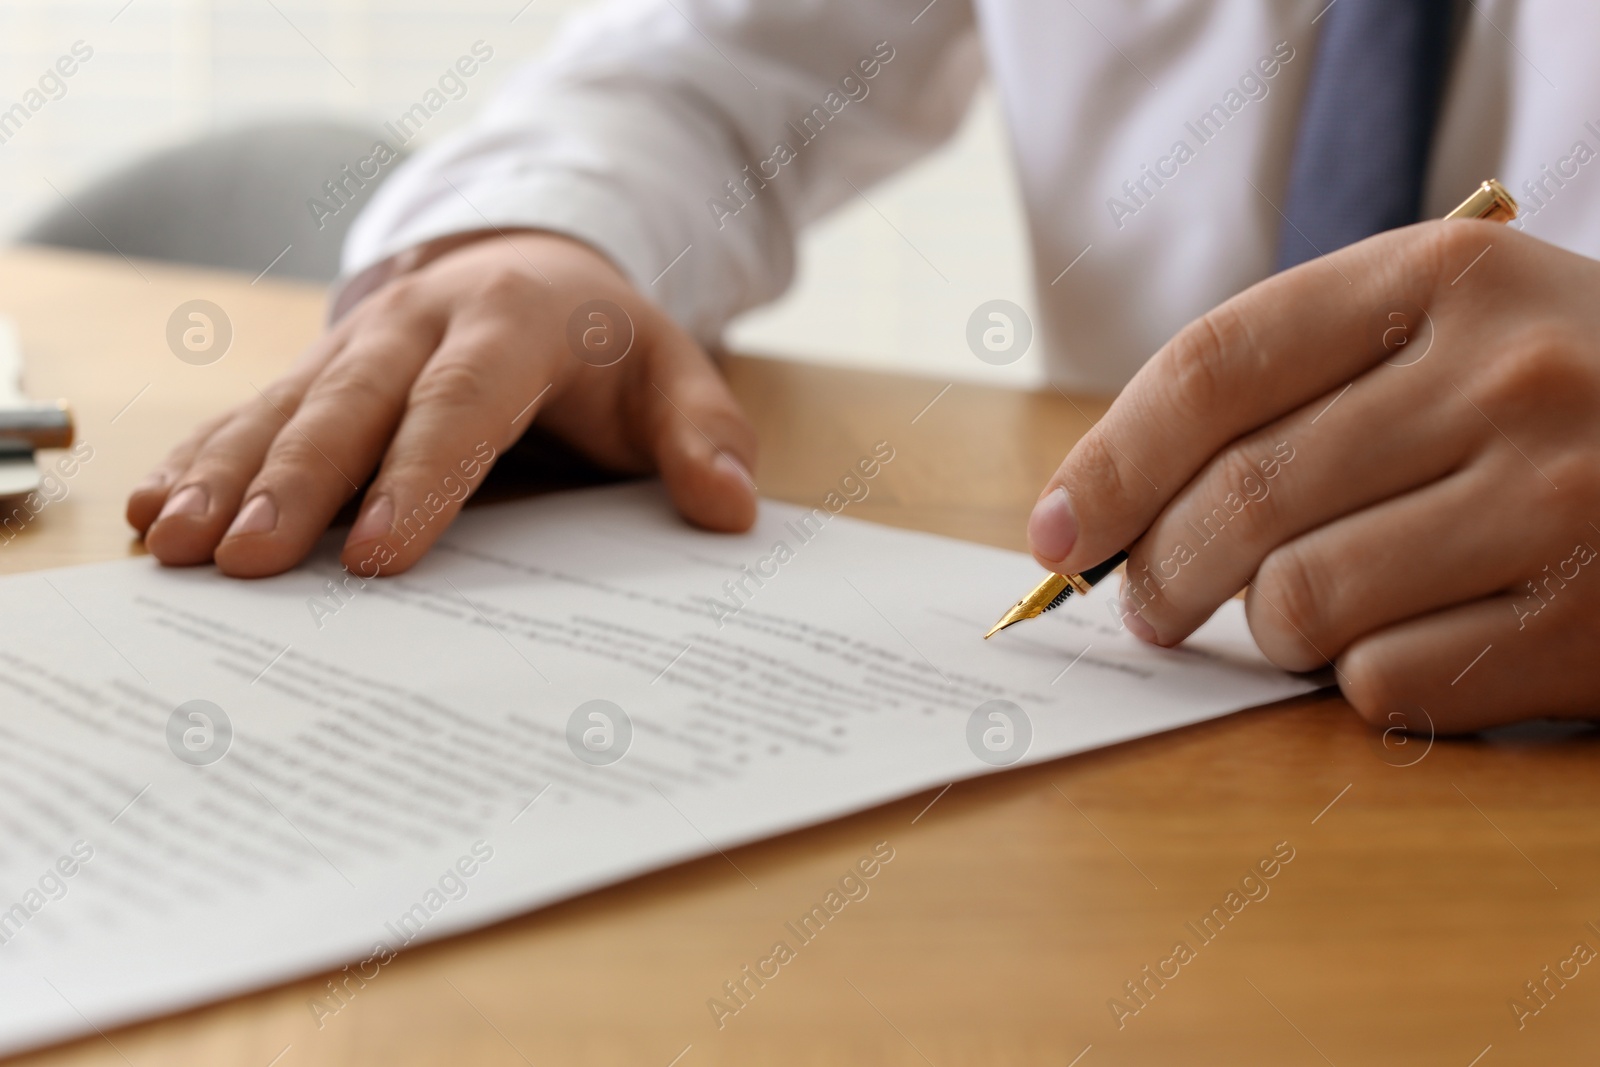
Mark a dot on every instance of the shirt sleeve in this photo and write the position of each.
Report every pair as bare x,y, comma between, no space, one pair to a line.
688,141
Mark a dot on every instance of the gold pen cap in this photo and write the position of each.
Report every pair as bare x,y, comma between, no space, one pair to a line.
1490,201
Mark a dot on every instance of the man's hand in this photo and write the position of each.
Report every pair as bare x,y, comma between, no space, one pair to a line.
425,382
1425,515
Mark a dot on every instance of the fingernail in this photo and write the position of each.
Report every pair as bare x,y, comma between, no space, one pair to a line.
191,500
727,463
1052,528
1135,622
375,521
260,515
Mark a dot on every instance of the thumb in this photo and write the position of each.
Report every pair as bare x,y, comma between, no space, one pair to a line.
704,446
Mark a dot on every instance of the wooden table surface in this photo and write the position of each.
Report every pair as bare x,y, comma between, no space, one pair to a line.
1428,883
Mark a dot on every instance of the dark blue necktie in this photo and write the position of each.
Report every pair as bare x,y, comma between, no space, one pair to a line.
1361,152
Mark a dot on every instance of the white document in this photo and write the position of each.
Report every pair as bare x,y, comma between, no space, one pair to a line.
418,756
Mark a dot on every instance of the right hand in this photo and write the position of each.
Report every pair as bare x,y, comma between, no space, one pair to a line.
426,378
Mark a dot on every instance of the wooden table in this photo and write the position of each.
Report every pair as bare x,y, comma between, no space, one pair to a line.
1428,882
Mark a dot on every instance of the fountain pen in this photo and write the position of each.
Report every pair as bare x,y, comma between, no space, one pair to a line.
1489,200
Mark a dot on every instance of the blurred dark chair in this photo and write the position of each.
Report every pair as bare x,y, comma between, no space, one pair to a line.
234,200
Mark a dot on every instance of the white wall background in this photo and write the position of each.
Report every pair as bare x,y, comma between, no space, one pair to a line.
167,70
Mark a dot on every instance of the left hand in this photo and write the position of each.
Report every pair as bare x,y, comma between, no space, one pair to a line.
1426,518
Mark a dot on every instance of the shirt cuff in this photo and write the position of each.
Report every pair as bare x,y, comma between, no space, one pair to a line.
577,207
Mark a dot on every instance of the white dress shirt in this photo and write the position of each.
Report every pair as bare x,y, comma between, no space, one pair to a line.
1155,135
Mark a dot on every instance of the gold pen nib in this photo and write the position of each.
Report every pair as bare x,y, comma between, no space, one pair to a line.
1046,595
1054,590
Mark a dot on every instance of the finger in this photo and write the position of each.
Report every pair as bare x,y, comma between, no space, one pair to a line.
331,445
704,447
1474,666
201,494
1253,359
1337,455
146,499
1401,559
205,498
459,416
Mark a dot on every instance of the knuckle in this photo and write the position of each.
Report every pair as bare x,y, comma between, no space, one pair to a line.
227,458
505,287
410,302
1197,355
455,384
1148,593
353,389
216,422
223,476
1576,474
1203,358
1145,588
379,306
1545,366
1241,498
279,399
181,455
1296,588
1442,248
397,296
490,340
292,455
1374,688
1533,402
1436,252
1094,470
